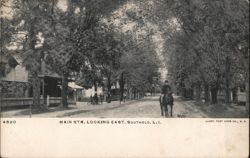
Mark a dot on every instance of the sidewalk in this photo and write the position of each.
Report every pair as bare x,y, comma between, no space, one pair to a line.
80,107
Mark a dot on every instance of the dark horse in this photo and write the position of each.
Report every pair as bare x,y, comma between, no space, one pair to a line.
167,100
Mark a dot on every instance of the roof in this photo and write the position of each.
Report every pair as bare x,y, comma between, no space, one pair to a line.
47,71
12,70
73,85
14,58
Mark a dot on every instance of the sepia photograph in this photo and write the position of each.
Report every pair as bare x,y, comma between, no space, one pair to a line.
124,78
125,58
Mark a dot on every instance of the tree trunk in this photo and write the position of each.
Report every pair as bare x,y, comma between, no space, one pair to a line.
95,87
206,93
109,85
189,93
235,94
214,92
134,93
227,82
34,69
95,95
109,90
247,91
245,60
121,83
247,82
198,92
64,91
36,90
128,91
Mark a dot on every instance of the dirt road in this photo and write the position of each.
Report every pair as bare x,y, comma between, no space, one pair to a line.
148,108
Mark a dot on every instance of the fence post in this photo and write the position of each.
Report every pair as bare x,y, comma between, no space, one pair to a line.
48,101
30,109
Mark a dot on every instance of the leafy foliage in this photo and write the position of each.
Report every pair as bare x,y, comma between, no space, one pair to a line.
206,46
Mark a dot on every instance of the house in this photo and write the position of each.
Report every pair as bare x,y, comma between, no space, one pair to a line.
14,80
50,82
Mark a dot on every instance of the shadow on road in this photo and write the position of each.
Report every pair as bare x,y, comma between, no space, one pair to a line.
156,98
50,110
102,109
86,111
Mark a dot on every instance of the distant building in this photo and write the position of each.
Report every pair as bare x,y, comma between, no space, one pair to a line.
75,91
91,91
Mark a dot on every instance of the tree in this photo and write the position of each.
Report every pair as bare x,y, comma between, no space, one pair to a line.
207,26
139,65
5,38
68,40
26,20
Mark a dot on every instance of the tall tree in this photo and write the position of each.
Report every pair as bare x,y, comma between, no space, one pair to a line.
68,40
210,27
27,18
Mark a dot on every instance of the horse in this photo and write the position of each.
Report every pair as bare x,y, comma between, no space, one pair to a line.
164,102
